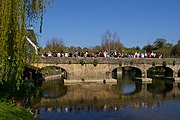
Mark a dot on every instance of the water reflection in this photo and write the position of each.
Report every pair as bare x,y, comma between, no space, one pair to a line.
97,100
124,87
159,86
54,88
65,109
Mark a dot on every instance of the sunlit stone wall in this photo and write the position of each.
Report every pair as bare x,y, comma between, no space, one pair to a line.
78,70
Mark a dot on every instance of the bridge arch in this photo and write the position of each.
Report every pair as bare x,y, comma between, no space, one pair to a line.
169,72
159,71
54,71
119,72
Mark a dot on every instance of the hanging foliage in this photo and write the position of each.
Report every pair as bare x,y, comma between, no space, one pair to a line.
15,16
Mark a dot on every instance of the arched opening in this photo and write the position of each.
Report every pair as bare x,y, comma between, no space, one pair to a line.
54,72
125,80
159,72
168,72
126,72
53,87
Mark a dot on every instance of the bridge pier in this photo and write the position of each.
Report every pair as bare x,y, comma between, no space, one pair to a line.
144,78
119,72
144,74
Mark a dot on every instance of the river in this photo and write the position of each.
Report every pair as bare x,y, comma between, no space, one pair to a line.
125,100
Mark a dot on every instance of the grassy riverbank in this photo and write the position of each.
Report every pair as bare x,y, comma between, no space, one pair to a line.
14,112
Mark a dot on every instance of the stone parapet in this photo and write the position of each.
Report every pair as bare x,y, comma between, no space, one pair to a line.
102,60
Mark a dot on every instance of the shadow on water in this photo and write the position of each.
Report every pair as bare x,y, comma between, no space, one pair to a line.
159,86
53,88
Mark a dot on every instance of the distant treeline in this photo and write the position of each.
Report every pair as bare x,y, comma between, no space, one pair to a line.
111,42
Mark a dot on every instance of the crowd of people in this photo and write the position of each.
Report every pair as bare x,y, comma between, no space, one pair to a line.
112,54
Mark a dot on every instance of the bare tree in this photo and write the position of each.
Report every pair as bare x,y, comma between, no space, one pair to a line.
111,41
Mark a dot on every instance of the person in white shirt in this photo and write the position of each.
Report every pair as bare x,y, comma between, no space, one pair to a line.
66,54
49,54
58,54
105,54
152,54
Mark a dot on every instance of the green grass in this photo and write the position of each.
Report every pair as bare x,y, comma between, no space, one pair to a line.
14,112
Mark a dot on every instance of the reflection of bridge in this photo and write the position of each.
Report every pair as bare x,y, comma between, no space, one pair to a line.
103,70
99,95
172,93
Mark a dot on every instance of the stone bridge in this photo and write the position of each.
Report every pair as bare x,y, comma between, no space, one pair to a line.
86,69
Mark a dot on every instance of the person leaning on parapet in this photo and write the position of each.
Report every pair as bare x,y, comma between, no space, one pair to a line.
66,54
58,54
105,54
43,56
49,54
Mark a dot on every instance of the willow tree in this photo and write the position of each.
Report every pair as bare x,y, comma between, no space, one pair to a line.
16,15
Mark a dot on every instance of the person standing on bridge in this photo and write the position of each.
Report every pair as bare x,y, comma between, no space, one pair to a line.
105,54
49,54
58,54
66,54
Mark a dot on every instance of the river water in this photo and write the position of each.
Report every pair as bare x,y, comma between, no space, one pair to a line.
125,100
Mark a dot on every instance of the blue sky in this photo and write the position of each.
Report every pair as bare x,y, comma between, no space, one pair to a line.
137,22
